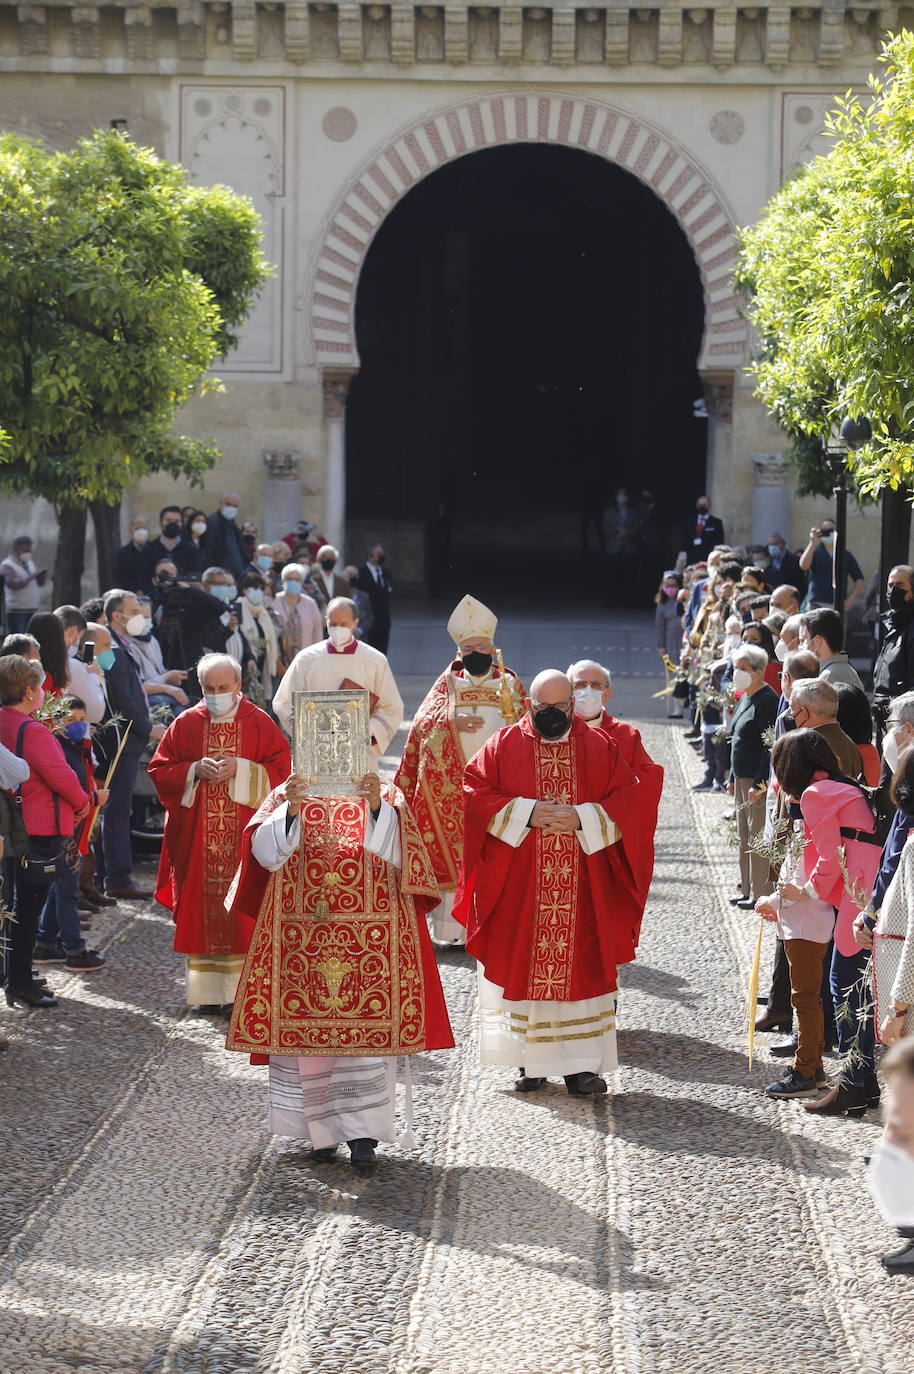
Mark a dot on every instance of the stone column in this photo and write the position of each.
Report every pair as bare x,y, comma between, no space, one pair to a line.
282,493
771,497
718,390
336,388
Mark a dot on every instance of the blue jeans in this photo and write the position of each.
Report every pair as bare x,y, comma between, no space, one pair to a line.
59,919
847,986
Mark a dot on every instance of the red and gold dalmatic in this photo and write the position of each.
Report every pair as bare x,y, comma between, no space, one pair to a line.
202,841
547,922
431,771
340,961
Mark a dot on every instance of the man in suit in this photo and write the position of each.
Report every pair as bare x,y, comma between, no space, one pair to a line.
784,567
374,580
707,531
131,562
127,702
223,537
328,582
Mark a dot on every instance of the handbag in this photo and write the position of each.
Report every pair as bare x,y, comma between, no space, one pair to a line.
44,859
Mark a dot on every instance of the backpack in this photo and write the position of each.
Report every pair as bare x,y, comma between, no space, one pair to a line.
881,808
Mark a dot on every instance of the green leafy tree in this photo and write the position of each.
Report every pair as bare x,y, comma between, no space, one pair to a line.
829,269
122,285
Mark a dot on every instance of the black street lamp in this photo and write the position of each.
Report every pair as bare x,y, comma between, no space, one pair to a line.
853,435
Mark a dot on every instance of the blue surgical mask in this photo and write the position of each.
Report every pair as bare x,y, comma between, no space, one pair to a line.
222,593
264,562
254,595
76,729
292,585
147,625
105,660
73,650
775,550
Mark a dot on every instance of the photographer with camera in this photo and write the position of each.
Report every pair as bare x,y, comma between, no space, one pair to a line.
817,561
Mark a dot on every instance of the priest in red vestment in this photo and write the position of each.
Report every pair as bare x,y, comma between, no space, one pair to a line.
549,890
213,767
467,703
340,976
591,684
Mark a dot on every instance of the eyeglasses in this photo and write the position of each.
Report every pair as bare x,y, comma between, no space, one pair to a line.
544,705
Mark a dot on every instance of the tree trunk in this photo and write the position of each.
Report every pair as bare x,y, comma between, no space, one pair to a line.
896,536
106,520
71,555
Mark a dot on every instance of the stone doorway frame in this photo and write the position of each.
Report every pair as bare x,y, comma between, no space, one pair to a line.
500,119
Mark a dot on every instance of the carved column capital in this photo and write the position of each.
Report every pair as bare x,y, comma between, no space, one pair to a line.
335,382
770,469
718,389
282,464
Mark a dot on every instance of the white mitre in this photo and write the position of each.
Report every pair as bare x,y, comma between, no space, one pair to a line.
471,620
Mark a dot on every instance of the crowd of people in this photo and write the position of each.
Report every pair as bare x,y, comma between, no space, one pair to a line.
532,844
823,785
88,692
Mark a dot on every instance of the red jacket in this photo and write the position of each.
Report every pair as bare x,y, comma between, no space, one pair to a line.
50,775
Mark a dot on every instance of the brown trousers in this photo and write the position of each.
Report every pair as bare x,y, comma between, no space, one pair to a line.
805,959
754,869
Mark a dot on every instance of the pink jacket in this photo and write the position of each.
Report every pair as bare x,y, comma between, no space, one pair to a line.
827,806
50,774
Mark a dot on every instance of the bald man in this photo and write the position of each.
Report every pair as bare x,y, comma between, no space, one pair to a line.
592,686
549,891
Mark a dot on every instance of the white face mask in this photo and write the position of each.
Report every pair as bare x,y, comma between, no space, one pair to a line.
781,651
588,702
340,635
890,751
890,1178
198,527
136,625
140,536
229,512
219,703
742,680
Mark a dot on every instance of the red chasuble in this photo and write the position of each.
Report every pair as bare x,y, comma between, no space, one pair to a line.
646,800
202,842
547,921
340,961
431,771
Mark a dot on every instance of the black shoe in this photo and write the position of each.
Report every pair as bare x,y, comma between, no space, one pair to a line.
529,1085
86,961
900,1261
872,1090
324,1156
704,786
745,904
585,1084
30,997
736,899
96,898
785,1050
792,1084
772,1022
209,1009
362,1153
49,954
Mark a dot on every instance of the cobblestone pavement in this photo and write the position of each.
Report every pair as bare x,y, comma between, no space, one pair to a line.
685,1222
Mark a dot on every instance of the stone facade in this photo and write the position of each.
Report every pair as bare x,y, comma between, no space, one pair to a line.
327,114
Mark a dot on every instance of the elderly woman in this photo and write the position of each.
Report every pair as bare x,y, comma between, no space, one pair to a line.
52,802
299,619
749,764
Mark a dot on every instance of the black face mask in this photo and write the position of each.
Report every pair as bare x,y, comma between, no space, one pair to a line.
476,663
702,510
789,722
551,721
328,564
380,559
898,599
171,530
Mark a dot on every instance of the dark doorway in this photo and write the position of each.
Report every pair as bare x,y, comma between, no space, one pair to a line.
529,320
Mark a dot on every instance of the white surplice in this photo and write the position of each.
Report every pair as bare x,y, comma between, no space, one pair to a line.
319,669
328,1099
